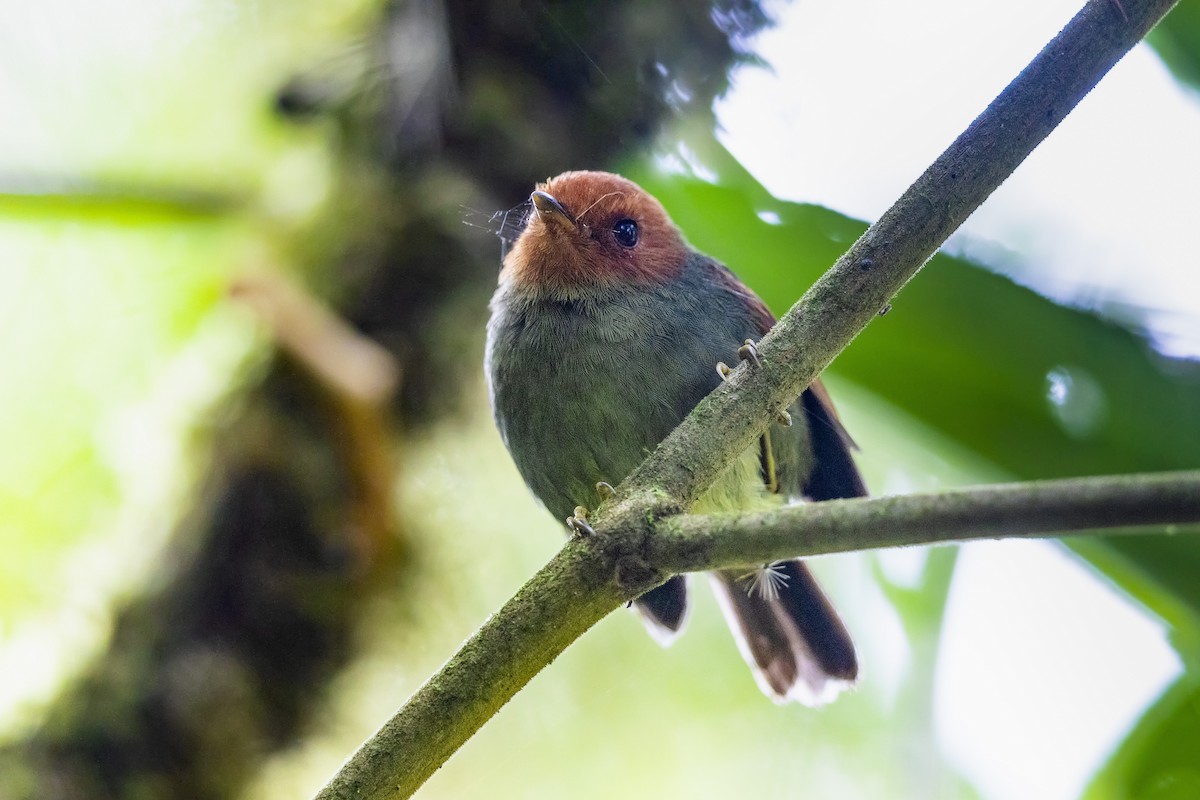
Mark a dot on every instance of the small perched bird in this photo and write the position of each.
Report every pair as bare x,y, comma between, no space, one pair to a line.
605,332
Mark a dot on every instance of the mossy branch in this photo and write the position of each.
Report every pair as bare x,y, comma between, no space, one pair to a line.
866,279
687,543
591,576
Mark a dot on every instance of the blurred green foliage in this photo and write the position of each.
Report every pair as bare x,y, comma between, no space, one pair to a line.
140,169
1158,761
99,307
114,333
1177,41
145,170
978,358
983,361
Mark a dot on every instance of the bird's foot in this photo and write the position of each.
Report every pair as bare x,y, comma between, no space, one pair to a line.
578,523
749,352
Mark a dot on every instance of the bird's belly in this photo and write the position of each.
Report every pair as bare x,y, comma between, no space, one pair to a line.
599,410
591,419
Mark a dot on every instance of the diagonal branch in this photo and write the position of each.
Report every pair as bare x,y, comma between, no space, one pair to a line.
865,280
590,577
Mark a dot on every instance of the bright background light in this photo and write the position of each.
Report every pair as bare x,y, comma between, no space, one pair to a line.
1101,216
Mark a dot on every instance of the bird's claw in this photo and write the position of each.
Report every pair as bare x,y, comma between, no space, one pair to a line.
749,352
578,523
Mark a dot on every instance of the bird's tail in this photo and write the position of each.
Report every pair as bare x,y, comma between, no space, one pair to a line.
788,632
664,609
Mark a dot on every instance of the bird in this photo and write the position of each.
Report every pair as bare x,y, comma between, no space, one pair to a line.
605,331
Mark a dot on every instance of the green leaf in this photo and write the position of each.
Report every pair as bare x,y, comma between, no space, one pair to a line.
1177,42
1035,388
1160,758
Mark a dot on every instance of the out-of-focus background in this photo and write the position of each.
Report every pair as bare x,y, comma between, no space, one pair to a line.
250,493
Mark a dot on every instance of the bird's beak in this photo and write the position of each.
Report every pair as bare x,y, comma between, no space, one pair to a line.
551,212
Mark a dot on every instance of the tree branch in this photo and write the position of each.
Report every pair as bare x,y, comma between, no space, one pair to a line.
689,543
865,280
591,576
565,598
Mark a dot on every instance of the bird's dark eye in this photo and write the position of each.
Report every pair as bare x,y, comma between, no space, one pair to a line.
626,233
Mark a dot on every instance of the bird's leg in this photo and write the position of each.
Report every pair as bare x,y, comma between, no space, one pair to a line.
766,457
749,352
578,523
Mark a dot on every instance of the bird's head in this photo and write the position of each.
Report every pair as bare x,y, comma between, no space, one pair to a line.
591,231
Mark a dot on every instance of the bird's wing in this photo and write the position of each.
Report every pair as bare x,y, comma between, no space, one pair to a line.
791,634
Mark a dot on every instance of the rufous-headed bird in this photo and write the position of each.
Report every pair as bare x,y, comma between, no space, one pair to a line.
605,332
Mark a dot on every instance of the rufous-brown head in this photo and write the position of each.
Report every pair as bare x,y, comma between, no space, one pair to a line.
592,230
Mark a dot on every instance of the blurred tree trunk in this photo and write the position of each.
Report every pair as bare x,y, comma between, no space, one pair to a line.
461,106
